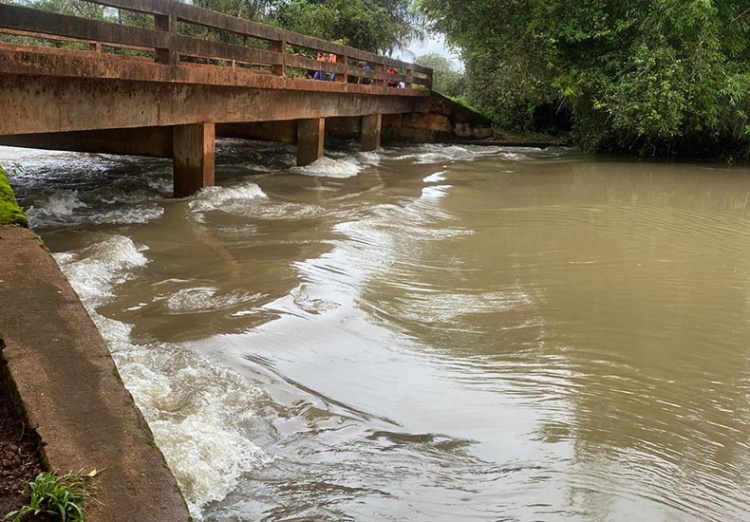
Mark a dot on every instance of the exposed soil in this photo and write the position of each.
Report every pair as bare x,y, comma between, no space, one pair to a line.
19,451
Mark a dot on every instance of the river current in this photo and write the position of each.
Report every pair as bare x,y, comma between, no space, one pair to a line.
431,333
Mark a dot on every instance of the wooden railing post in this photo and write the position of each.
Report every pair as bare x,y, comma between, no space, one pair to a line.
343,60
379,67
409,82
166,23
279,46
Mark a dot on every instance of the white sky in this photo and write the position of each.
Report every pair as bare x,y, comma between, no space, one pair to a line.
434,43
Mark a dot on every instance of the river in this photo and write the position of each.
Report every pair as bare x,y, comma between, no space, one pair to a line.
428,333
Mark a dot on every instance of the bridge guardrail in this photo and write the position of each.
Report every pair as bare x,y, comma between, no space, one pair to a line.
226,41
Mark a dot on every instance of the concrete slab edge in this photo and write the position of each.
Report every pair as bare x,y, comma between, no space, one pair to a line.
66,383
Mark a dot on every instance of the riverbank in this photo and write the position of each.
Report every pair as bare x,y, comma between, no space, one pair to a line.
59,378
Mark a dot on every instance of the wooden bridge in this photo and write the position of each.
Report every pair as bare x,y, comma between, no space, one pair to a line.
185,75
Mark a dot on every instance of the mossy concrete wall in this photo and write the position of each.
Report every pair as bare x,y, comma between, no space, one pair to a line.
10,212
440,119
444,121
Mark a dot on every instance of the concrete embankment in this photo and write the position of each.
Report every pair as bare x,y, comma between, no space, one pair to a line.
69,389
443,121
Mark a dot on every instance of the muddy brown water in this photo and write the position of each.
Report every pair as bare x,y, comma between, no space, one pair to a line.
424,334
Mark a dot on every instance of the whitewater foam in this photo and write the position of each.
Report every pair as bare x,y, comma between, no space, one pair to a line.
206,299
435,178
227,199
200,415
94,270
325,167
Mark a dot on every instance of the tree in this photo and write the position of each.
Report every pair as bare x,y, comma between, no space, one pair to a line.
646,76
446,79
70,7
371,25
248,9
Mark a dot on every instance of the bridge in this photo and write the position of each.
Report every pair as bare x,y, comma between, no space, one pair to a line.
185,75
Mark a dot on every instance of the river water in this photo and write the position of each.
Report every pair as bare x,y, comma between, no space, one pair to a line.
434,333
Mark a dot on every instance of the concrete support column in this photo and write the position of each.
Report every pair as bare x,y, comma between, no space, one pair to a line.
310,135
370,139
193,158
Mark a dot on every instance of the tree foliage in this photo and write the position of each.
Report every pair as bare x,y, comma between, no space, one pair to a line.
248,9
372,25
69,7
378,26
446,79
648,76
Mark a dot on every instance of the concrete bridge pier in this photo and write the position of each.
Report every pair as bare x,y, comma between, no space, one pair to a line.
310,138
370,133
194,157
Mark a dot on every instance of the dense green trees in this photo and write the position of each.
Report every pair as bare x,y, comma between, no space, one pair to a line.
71,7
250,9
648,76
446,79
371,25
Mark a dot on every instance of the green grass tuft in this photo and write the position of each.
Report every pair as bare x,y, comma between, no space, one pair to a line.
63,497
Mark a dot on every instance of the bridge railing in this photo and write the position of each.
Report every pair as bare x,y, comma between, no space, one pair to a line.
184,34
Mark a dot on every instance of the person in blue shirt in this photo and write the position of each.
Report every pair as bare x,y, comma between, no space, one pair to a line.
366,81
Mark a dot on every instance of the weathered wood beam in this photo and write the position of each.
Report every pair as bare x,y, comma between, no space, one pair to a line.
34,20
223,51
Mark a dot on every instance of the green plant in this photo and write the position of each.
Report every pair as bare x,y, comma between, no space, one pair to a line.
60,496
10,212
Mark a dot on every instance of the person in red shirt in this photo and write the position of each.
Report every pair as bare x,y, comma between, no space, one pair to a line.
392,83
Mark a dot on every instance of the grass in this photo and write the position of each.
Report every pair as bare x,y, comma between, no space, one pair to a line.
10,212
62,497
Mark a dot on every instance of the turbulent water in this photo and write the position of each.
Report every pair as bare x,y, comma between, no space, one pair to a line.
435,333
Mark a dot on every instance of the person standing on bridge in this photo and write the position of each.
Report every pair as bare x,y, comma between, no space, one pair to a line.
392,83
320,75
366,81
332,59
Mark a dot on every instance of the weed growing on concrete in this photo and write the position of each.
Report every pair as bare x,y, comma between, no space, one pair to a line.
62,497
